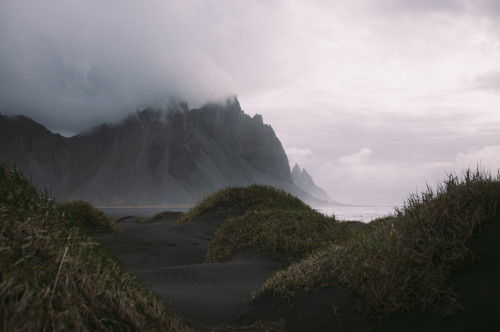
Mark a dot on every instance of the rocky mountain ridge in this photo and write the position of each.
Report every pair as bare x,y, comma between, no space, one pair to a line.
153,156
304,181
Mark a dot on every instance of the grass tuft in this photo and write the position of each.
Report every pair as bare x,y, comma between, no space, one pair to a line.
56,276
174,215
403,262
240,200
284,234
88,215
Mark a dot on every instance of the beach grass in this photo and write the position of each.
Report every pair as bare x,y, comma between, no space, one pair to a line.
402,262
88,215
55,275
269,220
160,216
142,220
239,200
164,215
288,235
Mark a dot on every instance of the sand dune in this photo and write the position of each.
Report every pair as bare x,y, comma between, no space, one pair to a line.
169,259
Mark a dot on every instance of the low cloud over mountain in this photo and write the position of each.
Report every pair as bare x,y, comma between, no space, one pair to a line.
174,155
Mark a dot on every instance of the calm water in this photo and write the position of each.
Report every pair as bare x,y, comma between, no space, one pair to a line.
358,213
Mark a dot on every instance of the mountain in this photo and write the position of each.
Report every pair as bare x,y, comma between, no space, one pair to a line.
304,181
153,156
42,156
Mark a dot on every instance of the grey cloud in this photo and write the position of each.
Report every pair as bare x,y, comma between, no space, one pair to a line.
73,64
483,8
488,8
331,77
412,7
408,150
489,80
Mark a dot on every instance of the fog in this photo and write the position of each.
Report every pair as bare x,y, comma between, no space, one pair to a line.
374,98
73,64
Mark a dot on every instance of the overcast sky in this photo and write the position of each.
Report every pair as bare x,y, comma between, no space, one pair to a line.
375,98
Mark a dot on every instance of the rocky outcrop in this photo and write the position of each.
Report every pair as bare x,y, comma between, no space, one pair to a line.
304,181
173,155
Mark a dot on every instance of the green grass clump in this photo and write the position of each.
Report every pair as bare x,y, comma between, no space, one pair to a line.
314,272
55,275
165,215
142,220
240,200
403,262
284,234
86,214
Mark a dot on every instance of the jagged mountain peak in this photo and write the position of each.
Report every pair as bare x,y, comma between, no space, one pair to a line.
301,175
304,181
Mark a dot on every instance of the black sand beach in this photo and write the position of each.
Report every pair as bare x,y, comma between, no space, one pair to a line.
169,258
432,267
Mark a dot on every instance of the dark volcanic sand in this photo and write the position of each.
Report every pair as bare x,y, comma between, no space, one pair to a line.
477,285
169,259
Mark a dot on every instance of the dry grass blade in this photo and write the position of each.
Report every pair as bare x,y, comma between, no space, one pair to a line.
57,275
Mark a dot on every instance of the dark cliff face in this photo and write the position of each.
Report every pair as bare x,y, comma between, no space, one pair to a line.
152,156
246,137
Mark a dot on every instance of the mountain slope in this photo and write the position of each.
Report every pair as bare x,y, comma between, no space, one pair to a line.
153,156
37,152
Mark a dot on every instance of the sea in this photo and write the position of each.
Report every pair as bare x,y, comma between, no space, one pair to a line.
342,213
357,213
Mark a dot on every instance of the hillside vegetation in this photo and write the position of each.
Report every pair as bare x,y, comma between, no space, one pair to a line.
283,234
239,200
267,219
403,262
55,275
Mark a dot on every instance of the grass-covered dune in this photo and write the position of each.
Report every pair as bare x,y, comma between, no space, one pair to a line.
267,219
409,262
434,258
287,235
236,201
55,274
